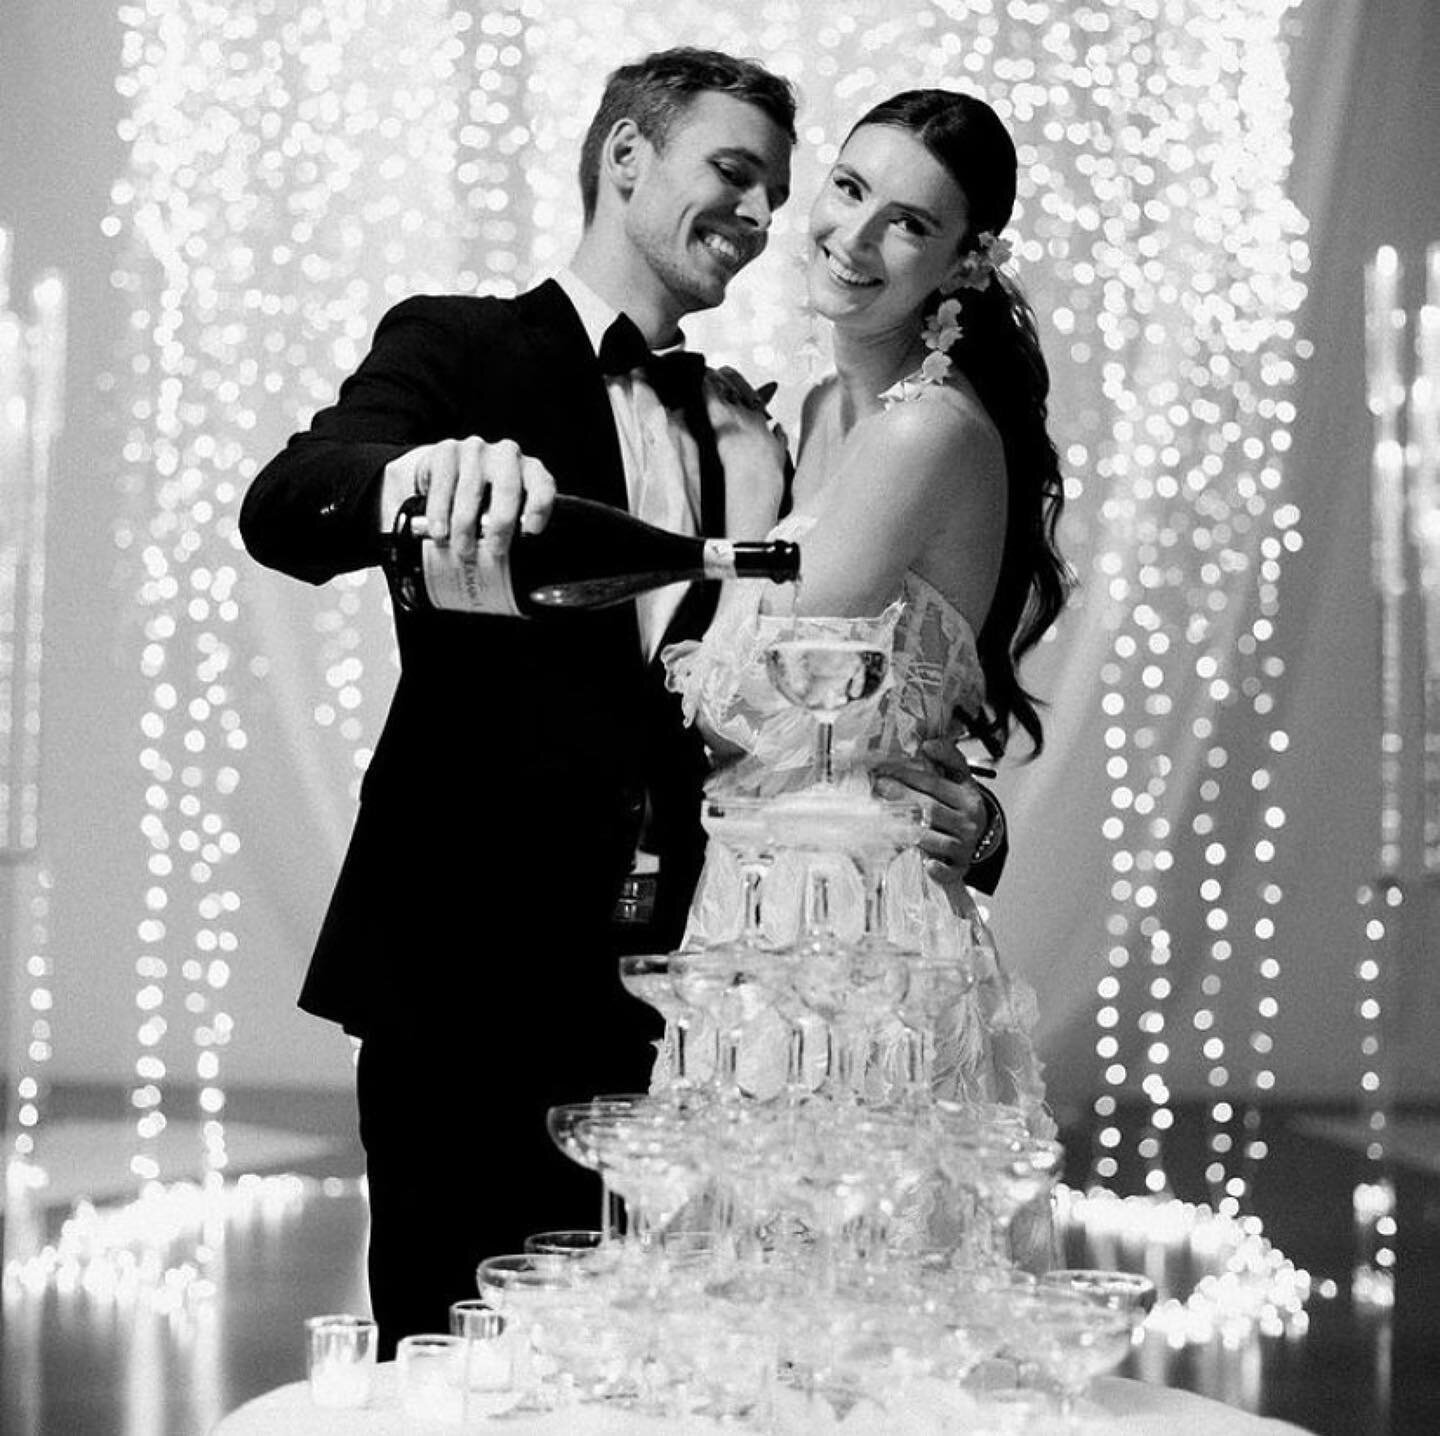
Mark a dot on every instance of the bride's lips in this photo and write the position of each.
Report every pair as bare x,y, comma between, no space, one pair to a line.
845,275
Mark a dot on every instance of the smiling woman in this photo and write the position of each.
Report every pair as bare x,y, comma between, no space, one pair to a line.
887,229
963,487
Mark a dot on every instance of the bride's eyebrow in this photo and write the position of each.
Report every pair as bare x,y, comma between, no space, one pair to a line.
917,211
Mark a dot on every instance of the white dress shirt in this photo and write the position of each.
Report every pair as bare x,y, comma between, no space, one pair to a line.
661,460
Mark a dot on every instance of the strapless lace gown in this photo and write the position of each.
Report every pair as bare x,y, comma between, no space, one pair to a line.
983,1048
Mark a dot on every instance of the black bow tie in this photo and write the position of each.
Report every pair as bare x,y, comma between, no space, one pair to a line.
676,378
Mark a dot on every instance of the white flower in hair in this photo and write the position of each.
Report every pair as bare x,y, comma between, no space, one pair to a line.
943,328
941,333
979,266
996,249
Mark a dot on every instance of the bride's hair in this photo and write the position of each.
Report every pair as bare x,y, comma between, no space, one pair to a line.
999,353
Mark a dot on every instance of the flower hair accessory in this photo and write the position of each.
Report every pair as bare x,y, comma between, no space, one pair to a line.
979,265
941,333
943,329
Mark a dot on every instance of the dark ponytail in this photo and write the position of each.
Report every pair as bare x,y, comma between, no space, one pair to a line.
999,353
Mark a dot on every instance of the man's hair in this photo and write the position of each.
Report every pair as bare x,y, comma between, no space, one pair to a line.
656,91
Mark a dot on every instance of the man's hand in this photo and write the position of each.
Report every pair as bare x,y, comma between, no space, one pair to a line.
753,451
958,814
473,489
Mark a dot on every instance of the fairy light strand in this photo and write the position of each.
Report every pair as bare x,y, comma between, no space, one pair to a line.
1383,900
1424,513
32,369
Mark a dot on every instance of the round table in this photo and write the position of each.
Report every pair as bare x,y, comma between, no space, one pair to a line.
1116,1404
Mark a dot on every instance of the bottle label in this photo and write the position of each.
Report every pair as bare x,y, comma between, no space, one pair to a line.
719,558
480,584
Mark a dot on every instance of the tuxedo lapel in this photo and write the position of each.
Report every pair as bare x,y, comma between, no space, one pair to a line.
569,420
697,608
568,423
565,416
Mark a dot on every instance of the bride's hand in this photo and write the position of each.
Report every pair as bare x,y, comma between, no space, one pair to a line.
753,451
957,812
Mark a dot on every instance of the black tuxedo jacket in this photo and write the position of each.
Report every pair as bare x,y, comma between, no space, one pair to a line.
501,808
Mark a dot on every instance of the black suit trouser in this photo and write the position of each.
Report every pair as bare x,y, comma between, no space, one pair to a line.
458,1158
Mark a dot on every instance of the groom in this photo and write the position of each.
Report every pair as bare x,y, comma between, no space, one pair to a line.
469,941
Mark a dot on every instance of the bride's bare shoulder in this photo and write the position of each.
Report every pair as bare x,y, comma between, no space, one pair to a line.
945,424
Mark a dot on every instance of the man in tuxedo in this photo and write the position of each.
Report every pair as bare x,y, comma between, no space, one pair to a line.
470,940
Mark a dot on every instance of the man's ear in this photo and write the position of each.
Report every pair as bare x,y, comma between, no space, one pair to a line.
623,156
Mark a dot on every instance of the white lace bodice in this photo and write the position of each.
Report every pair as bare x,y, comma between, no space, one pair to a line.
764,744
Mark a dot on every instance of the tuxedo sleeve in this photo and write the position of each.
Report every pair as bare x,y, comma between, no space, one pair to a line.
312,511
985,875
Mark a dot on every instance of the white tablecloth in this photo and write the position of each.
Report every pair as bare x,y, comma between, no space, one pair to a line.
1115,1405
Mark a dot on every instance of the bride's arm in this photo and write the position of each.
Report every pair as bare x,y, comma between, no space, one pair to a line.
921,485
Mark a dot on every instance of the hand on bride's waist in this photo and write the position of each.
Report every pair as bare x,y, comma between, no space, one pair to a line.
960,817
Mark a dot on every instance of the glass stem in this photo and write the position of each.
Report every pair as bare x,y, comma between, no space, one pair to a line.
752,933
825,751
795,1064
730,1062
680,1030
818,928
876,871
611,1213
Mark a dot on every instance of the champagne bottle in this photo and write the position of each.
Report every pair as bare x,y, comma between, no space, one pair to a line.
589,555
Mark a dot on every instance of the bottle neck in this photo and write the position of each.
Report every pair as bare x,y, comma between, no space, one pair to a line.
774,559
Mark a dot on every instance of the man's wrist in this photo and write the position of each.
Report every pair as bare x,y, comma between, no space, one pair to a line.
397,483
994,834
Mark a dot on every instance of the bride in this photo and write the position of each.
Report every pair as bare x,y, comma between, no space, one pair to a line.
926,494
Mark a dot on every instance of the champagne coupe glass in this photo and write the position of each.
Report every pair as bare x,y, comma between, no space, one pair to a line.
879,966
1016,1171
824,675
648,1158
743,826
573,1244
553,1312
1071,1338
740,825
569,1126
707,983
889,827
932,985
651,978
1125,1291
822,976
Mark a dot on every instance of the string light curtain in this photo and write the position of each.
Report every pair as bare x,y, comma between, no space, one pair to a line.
291,175
294,169
32,372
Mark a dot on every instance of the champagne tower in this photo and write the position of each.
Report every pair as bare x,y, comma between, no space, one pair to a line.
817,1210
